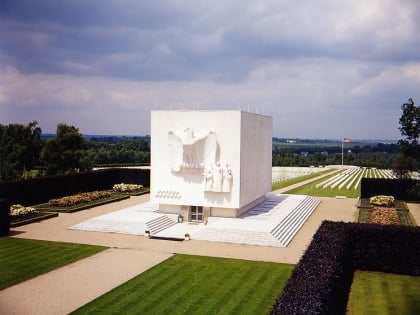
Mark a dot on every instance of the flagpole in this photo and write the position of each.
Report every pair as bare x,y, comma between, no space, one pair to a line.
342,152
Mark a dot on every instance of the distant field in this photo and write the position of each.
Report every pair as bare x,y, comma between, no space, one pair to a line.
320,143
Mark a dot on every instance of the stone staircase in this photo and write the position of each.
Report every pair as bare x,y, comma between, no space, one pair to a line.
288,227
236,236
159,224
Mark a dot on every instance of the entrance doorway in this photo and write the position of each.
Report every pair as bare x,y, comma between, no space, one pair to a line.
196,213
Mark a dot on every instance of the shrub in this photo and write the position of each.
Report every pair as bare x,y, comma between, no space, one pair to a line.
382,200
20,211
127,187
4,217
321,280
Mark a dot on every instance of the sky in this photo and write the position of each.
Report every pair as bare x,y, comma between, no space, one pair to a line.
322,69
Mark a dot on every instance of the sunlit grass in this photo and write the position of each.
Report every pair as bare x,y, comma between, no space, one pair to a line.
22,259
383,293
187,284
295,180
311,190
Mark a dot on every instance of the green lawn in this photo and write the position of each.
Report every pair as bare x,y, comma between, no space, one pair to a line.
22,259
311,190
385,294
187,284
298,179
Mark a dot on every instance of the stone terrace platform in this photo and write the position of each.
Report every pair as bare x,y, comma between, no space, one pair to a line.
274,222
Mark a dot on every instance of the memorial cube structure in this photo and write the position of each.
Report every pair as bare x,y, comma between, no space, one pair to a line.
209,163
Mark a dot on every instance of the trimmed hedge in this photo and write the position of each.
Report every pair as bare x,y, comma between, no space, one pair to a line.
40,190
386,248
398,188
4,217
320,282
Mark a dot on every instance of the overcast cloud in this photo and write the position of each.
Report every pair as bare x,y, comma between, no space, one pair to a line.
321,69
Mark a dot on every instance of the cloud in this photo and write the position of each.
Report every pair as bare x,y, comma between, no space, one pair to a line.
321,68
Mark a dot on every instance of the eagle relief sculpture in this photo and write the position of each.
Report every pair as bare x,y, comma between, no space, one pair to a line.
190,152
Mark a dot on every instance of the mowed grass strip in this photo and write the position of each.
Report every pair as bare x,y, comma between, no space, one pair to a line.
384,293
295,180
311,190
187,284
22,259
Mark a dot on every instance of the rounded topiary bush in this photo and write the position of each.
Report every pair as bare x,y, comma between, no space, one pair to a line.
4,217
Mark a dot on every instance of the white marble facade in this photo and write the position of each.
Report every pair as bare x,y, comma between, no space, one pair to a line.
219,160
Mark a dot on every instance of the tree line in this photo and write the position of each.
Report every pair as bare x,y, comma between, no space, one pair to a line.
23,149
24,152
378,155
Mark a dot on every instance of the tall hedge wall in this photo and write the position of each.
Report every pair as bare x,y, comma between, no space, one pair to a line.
40,190
4,217
321,281
398,188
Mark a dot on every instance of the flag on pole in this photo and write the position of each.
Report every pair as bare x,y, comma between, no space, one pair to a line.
346,140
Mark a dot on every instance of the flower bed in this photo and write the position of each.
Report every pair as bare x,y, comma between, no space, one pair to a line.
127,187
382,200
21,215
397,214
73,200
381,215
81,201
20,211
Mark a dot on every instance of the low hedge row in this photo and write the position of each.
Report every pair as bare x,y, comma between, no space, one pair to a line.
4,217
321,281
40,190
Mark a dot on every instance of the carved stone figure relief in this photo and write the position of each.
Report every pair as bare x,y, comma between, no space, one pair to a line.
199,154
218,179
188,151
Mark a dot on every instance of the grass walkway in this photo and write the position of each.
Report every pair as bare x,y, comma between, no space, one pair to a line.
310,189
384,293
187,284
22,259
295,180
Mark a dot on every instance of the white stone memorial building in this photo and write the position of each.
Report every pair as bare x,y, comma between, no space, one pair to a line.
209,163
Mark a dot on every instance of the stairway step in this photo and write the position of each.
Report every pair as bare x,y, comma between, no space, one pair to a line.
288,227
159,224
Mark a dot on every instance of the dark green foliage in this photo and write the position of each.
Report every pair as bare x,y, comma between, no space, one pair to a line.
410,123
19,149
321,281
409,158
401,189
378,155
4,217
386,248
64,153
40,190
125,151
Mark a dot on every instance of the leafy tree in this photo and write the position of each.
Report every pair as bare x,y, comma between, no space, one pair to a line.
64,153
408,159
410,123
20,147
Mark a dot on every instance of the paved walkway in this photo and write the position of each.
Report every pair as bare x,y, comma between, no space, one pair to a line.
273,222
65,289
